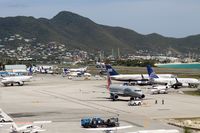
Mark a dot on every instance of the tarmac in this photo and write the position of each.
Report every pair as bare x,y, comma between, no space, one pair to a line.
64,102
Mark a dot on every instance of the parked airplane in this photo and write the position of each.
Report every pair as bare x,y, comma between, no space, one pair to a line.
124,91
100,65
3,74
29,128
157,131
150,71
26,129
75,72
125,77
82,69
15,80
109,130
4,118
161,89
78,74
41,69
131,77
6,74
173,82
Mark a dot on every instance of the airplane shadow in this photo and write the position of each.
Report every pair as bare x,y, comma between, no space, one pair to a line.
109,99
125,100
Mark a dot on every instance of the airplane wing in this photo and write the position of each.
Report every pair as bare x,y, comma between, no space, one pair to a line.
109,129
157,131
6,123
37,130
42,122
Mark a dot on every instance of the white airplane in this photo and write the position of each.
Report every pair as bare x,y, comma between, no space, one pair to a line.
74,72
26,129
130,77
7,74
4,118
161,89
124,77
109,129
151,71
82,69
173,82
3,74
87,74
157,131
100,65
15,80
77,74
41,69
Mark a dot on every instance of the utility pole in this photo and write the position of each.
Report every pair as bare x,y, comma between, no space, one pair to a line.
118,53
112,52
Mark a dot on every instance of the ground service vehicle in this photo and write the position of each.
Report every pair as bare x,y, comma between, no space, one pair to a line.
97,122
134,103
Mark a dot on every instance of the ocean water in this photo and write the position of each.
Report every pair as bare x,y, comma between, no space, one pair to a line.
181,65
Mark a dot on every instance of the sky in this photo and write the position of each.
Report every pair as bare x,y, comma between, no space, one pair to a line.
171,18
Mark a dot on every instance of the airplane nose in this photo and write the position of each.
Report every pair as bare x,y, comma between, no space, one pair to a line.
4,80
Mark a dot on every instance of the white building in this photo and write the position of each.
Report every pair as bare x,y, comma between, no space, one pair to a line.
16,68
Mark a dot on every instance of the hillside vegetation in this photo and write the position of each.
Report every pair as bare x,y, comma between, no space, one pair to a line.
79,32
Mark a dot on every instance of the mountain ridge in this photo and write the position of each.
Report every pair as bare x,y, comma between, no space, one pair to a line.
80,32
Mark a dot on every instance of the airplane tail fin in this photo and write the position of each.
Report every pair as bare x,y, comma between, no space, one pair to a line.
176,80
151,72
14,127
142,76
110,70
65,70
30,72
109,82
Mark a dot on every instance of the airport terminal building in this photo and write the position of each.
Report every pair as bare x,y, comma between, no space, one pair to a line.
16,68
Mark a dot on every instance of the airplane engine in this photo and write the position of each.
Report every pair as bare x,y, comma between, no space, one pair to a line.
20,83
114,96
177,85
143,96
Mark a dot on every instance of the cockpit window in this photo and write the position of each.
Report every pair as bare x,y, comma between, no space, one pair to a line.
30,127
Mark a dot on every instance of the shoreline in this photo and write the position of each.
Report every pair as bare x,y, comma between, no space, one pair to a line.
178,63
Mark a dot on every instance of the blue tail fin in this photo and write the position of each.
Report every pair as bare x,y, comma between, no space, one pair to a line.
30,71
151,73
110,70
65,70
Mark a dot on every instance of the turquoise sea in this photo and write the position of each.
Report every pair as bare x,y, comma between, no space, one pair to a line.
180,65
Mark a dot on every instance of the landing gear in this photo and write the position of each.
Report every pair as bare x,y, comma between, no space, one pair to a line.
192,85
132,98
5,84
20,83
114,97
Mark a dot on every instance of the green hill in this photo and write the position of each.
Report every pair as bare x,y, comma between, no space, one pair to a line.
76,31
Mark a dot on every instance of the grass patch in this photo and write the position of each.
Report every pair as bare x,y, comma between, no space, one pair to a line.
194,93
